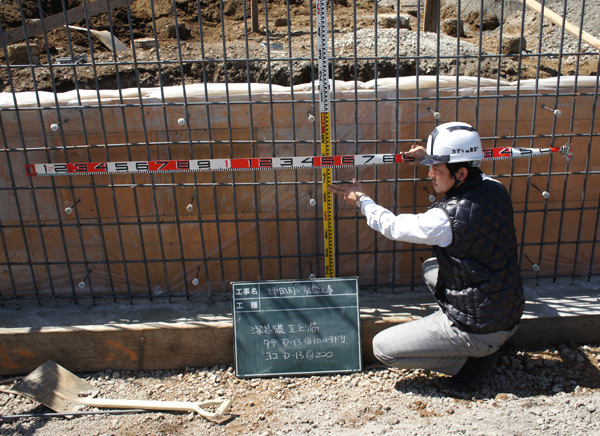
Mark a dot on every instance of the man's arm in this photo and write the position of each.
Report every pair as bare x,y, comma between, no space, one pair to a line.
431,227
354,190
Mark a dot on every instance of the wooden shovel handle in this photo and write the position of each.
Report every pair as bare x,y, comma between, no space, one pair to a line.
181,406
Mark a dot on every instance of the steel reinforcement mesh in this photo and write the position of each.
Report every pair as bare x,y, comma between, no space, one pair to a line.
158,80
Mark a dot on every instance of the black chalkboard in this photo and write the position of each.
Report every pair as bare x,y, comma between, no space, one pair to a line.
296,327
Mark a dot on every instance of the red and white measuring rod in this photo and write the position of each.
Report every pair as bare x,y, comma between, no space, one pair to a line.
265,163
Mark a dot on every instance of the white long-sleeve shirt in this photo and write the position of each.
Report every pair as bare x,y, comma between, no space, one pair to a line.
431,227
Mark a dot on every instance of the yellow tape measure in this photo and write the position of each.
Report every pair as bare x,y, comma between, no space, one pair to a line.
328,227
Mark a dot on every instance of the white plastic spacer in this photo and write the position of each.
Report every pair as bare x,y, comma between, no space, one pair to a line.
432,198
181,121
68,210
195,281
54,127
535,267
311,118
312,202
189,207
545,194
81,284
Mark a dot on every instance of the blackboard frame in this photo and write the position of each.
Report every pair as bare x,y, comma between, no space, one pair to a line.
296,327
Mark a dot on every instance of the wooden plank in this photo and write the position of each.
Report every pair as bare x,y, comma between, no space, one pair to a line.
430,21
254,15
49,23
568,26
120,347
163,337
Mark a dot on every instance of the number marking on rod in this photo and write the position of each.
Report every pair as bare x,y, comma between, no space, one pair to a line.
265,163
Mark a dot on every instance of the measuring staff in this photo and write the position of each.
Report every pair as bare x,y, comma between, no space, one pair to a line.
324,109
265,163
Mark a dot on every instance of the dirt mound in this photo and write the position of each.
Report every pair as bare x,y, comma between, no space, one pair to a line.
221,46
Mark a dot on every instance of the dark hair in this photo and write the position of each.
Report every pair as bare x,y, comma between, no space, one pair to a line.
472,171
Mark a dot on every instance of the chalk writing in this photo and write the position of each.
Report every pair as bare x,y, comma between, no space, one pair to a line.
299,290
301,342
246,291
299,355
267,329
296,327
280,329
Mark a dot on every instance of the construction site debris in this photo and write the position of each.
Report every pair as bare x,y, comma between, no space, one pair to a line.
182,29
145,43
513,45
23,54
207,42
453,27
76,59
105,37
561,21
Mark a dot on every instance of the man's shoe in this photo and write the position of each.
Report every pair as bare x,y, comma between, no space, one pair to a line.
473,372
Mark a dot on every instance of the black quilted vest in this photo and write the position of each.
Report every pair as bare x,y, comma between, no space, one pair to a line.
479,284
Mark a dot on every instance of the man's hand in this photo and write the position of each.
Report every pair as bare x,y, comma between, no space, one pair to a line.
350,190
416,151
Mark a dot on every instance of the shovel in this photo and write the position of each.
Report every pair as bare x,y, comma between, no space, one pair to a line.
105,38
64,392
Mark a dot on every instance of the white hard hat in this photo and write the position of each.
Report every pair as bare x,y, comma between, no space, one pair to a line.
453,142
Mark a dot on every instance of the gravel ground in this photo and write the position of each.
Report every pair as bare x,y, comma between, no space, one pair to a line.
534,392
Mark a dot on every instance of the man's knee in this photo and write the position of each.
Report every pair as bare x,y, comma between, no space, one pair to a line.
379,347
430,270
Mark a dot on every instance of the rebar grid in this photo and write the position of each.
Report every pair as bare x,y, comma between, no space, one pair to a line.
155,236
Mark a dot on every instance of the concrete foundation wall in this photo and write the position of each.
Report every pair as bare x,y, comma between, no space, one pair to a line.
132,235
152,336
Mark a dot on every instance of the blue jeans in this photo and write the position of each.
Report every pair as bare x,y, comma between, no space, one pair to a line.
434,342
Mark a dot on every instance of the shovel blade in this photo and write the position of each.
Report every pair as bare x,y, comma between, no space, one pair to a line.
56,387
